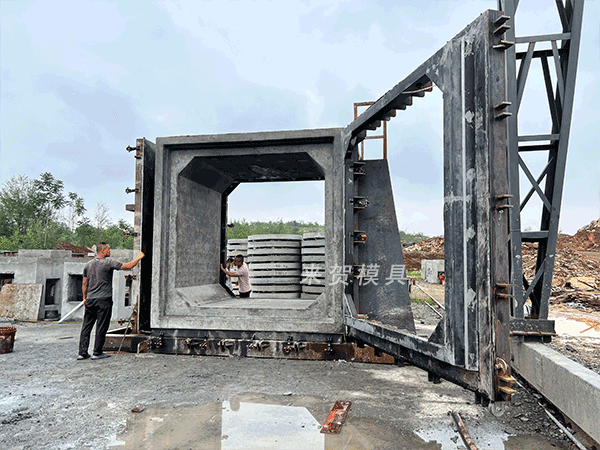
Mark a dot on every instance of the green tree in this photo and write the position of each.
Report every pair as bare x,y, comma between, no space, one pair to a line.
242,229
18,205
49,198
37,214
75,210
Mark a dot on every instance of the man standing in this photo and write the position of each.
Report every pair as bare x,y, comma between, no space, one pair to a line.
97,298
243,276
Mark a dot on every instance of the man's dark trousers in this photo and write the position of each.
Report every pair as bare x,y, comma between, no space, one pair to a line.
99,311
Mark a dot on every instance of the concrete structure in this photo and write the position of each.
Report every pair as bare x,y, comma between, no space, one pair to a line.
193,176
569,386
431,269
313,265
61,275
275,265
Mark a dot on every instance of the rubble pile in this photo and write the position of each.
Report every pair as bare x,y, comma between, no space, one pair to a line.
64,245
588,237
576,269
432,248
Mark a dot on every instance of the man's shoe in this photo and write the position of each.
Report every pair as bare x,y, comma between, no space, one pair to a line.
102,356
82,357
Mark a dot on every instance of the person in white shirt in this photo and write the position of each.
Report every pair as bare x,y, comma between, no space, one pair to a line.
243,275
230,266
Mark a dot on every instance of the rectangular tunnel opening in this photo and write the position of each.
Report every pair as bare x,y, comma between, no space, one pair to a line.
209,178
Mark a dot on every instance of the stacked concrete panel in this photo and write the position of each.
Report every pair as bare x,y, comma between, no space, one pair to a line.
313,265
275,265
237,247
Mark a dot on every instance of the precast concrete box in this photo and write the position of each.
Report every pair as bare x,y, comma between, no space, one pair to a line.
193,177
431,270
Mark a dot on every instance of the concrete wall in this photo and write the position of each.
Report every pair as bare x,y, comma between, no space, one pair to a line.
197,209
430,269
38,266
193,177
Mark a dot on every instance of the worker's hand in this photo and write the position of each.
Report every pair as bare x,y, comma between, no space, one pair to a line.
222,268
140,255
84,300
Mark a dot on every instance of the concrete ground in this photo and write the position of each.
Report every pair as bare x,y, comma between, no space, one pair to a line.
49,400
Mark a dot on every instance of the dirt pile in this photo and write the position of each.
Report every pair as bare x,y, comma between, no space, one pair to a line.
588,237
576,269
432,248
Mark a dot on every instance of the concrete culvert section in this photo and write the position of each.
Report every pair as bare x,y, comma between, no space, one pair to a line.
313,265
194,177
272,253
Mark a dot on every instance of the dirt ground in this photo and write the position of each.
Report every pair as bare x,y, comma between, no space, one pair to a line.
578,343
49,400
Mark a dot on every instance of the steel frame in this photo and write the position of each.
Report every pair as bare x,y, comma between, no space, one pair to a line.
470,344
555,144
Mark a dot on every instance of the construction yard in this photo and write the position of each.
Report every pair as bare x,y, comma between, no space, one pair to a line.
154,401
575,300
49,400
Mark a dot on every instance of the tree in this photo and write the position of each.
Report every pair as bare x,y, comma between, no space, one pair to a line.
101,216
37,214
49,198
75,209
18,205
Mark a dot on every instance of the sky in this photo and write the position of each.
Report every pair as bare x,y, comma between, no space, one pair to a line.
81,80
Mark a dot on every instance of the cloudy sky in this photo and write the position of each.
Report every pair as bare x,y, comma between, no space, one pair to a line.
82,80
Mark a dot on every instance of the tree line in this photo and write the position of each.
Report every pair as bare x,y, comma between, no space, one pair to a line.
241,229
38,214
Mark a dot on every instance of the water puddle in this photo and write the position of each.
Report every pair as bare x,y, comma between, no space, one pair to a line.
488,436
294,423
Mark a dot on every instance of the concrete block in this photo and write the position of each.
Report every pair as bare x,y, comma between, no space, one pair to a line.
21,301
572,388
430,269
27,253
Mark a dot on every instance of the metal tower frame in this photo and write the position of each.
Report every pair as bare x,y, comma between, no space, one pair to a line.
560,95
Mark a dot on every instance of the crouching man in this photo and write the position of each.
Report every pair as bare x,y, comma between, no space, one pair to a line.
97,299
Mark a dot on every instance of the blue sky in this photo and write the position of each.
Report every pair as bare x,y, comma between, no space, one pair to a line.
82,80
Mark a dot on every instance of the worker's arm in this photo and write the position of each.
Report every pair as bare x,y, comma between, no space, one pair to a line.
84,289
130,265
226,272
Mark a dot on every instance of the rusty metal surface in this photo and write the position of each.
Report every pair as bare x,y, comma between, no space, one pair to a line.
464,434
255,348
7,339
336,418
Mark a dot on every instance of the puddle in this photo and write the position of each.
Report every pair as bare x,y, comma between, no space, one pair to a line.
269,427
488,436
294,423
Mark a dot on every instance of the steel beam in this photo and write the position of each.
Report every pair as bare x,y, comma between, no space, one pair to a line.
560,103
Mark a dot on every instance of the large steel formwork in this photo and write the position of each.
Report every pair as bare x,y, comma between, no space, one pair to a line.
470,344
181,222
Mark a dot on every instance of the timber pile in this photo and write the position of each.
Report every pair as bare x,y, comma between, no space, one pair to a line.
588,297
576,269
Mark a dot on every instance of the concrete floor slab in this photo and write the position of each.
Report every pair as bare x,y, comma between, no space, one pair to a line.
50,400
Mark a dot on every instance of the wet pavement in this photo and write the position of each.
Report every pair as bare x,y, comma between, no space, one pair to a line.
49,400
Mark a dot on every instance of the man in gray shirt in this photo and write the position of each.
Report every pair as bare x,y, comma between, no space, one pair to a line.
97,298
